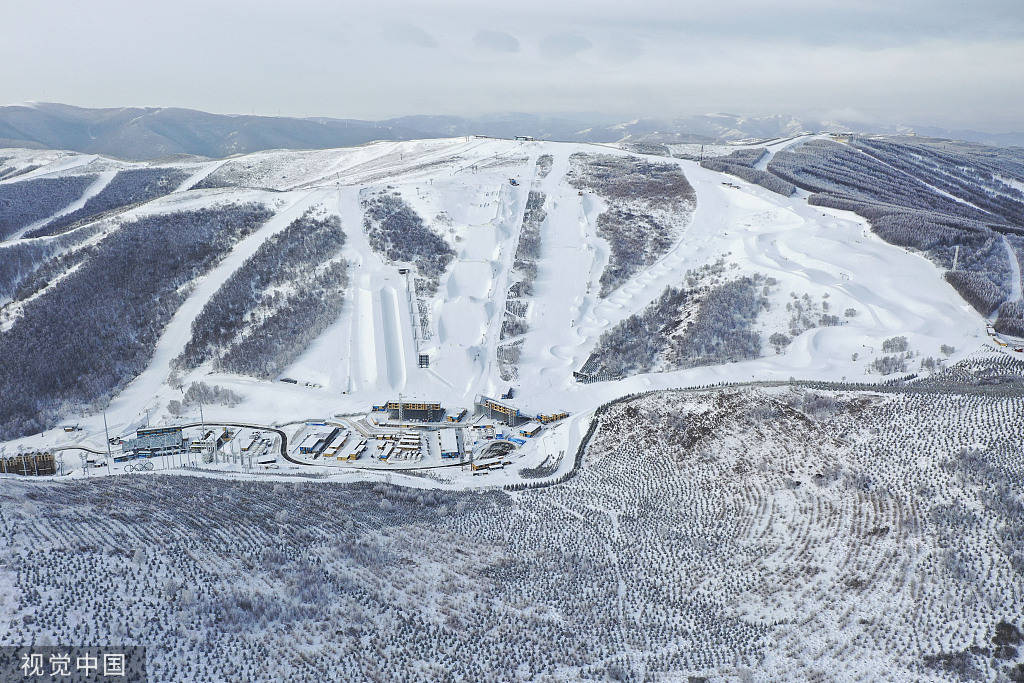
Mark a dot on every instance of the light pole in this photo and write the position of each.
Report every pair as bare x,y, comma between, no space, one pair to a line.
202,421
106,435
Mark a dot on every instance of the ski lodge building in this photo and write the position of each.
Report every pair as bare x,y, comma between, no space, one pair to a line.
154,442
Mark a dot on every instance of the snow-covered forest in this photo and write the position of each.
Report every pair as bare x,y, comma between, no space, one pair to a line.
699,323
648,206
275,304
952,201
87,333
127,187
626,343
29,201
728,534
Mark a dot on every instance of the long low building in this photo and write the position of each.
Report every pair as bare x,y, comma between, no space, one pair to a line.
254,439
155,442
530,429
418,411
29,464
449,443
315,442
409,441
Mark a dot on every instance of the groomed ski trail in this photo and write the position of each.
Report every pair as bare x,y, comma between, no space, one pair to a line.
97,186
1015,284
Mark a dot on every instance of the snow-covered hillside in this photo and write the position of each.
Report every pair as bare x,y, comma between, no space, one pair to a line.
765,534
729,469
430,273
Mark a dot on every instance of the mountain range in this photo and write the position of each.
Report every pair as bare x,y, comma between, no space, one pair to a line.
144,133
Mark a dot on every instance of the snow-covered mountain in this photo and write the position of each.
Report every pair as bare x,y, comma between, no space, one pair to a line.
501,263
783,375
141,133
156,132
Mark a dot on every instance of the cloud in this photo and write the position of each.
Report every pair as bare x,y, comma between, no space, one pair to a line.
942,62
625,48
562,45
411,35
498,41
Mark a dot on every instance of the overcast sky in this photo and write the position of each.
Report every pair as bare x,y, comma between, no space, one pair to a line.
943,62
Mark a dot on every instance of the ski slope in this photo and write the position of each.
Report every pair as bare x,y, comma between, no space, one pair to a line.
1015,283
178,331
97,186
42,163
774,148
461,189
